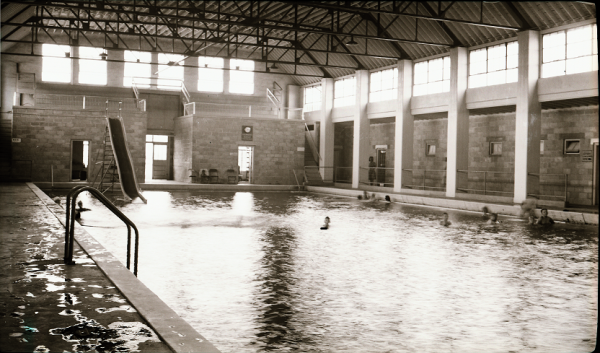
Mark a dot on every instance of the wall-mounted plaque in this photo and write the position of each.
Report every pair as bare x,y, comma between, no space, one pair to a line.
587,156
247,133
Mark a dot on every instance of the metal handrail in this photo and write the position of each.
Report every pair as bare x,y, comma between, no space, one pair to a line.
314,143
566,176
70,227
423,186
485,173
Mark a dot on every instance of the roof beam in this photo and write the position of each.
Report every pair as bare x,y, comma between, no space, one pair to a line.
362,10
382,31
445,28
524,21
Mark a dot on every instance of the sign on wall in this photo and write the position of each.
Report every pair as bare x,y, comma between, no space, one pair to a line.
247,133
586,156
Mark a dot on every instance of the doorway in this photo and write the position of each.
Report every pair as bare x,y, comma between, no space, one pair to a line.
245,164
381,164
80,159
157,157
595,177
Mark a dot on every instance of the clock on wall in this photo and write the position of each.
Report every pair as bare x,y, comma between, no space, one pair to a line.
247,133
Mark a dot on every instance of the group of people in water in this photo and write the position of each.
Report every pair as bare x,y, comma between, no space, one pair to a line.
526,210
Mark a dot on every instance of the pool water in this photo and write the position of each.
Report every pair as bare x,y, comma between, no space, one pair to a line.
253,272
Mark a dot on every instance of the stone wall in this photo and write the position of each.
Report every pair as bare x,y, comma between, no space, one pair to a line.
483,130
182,149
275,142
384,134
46,136
560,124
433,131
343,151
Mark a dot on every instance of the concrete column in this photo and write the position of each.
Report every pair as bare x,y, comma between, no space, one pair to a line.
458,122
75,65
293,101
190,74
528,117
362,137
326,135
226,75
153,69
405,126
115,70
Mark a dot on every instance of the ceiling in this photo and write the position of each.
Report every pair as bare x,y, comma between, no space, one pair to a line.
307,39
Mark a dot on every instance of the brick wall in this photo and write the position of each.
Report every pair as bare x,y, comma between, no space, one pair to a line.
434,131
46,136
343,151
384,134
182,148
560,124
484,129
276,142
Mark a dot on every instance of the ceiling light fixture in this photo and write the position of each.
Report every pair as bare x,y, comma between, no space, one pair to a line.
351,42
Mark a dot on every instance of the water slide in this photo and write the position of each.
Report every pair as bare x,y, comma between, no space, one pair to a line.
123,159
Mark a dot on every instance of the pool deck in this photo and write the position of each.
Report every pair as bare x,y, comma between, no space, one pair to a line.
96,304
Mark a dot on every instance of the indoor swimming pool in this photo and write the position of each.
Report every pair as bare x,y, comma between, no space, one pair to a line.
253,272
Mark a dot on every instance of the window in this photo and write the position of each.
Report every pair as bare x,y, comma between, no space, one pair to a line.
170,71
55,66
92,71
384,85
344,92
312,98
571,146
570,52
432,76
210,74
241,76
137,68
495,148
494,65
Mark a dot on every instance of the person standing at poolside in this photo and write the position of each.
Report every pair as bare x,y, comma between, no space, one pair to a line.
372,174
544,219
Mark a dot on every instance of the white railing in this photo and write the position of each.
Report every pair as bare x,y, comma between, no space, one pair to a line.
78,102
235,110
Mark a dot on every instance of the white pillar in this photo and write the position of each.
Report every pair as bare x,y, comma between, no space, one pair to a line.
226,75
293,102
405,125
528,117
362,138
190,74
458,122
75,65
326,143
115,70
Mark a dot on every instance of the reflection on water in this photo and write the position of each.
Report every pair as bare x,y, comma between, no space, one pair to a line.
252,272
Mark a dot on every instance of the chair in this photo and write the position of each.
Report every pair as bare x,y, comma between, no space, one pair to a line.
232,177
213,176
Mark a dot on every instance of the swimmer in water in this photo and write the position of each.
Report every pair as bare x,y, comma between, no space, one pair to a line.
326,224
445,222
493,218
80,209
544,219
387,198
486,213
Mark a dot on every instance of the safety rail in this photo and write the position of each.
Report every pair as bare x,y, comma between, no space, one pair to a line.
318,168
342,175
312,144
380,173
220,109
297,182
70,225
423,185
78,102
486,190
563,193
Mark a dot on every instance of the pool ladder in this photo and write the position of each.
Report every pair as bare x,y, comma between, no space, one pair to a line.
70,227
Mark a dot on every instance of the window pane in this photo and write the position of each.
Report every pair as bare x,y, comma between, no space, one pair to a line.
512,75
447,68
338,89
420,73
148,138
160,152
420,90
56,69
478,67
496,64
434,87
497,51
554,39
496,78
138,71
92,71
583,64
375,81
446,86
161,138
553,69
478,55
477,81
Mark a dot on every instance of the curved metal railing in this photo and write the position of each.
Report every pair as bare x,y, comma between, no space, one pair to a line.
70,227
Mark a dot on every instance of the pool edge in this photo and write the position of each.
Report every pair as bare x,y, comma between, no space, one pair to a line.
175,332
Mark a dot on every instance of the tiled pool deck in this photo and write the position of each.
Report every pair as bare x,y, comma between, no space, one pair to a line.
97,303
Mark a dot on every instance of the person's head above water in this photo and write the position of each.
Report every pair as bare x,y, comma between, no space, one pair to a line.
445,215
387,198
493,217
80,204
484,209
327,220
544,211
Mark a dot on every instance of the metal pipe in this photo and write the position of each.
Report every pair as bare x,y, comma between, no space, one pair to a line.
484,183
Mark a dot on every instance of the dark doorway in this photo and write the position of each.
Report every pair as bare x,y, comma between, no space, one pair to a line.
381,164
80,158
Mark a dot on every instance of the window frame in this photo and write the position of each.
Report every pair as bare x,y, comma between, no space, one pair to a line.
311,106
566,143
146,81
492,150
565,58
344,97
513,71
378,95
84,76
445,82
210,66
233,73
57,59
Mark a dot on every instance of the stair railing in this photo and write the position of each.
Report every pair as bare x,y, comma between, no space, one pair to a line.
313,145
70,225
